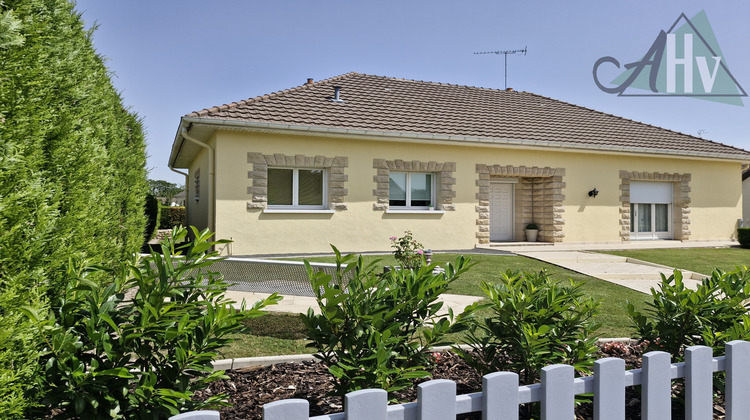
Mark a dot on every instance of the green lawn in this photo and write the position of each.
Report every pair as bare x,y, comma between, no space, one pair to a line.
613,317
275,333
699,260
272,334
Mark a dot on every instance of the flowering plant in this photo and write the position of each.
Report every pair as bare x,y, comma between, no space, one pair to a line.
408,251
615,347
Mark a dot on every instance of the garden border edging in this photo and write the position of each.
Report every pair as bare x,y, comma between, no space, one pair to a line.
242,362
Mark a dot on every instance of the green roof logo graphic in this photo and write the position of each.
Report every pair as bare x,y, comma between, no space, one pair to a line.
685,61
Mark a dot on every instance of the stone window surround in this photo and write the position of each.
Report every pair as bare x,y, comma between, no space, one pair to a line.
551,194
336,167
445,180
680,200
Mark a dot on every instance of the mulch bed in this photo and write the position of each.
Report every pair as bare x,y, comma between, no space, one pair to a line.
250,388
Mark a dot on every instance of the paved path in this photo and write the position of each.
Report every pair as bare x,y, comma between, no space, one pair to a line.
635,274
299,304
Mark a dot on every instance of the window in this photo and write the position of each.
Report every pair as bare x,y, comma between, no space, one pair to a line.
650,210
297,188
411,190
650,221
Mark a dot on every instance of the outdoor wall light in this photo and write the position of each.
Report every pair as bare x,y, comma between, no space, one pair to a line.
593,193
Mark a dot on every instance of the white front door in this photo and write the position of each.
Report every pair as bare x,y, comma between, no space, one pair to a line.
501,212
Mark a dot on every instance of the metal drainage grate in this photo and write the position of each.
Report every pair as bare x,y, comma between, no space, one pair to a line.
266,276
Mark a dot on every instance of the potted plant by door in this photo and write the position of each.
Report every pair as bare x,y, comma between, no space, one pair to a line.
532,229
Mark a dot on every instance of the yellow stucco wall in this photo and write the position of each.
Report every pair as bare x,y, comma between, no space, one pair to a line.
746,199
197,209
715,194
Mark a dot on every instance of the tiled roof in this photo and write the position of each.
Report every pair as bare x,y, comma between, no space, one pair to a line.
384,104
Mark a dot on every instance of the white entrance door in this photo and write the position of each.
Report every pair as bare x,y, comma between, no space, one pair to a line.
501,212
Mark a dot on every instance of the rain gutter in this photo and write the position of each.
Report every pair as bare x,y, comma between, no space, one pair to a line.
464,140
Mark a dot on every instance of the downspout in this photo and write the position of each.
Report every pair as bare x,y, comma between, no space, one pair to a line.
211,203
187,192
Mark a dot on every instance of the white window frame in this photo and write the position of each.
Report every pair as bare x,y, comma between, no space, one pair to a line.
653,234
408,206
295,191
651,193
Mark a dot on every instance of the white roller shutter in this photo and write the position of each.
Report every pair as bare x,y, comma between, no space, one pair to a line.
651,192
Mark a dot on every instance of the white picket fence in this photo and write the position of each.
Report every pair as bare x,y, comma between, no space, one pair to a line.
501,393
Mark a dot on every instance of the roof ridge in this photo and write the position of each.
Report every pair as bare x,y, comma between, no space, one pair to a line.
278,93
403,79
275,94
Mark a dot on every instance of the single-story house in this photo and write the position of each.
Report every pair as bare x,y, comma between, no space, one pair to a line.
356,159
179,199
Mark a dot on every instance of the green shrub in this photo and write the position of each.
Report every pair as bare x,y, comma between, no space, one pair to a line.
171,217
678,317
140,345
153,210
67,122
743,236
72,175
376,330
535,321
27,223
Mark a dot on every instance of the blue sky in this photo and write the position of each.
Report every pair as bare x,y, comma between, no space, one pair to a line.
171,57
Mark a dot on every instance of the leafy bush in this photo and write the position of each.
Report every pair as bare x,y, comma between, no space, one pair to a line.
743,236
27,222
535,321
139,346
375,331
679,317
171,217
72,175
408,252
153,210
67,123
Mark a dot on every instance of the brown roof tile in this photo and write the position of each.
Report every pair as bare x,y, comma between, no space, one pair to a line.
427,108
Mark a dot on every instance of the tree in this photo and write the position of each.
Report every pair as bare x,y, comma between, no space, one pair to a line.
164,189
72,176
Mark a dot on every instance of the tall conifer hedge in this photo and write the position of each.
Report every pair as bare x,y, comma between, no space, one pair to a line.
72,174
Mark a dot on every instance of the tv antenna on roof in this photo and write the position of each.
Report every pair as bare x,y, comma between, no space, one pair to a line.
505,53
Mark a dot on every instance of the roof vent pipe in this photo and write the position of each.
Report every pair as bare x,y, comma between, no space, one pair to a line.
337,95
309,80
